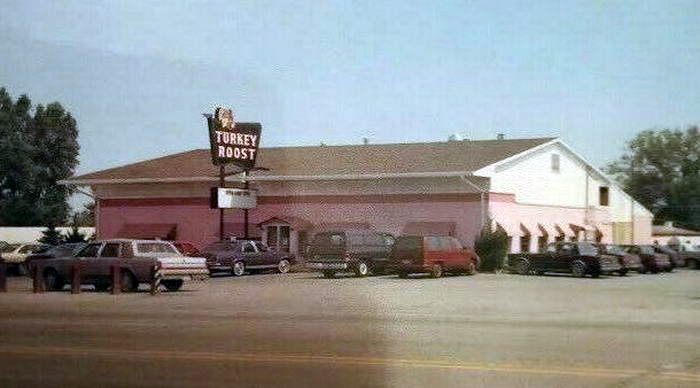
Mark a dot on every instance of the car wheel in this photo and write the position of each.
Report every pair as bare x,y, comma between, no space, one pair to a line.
238,268
471,269
578,268
52,281
403,274
173,285
622,272
692,263
328,274
522,267
362,269
101,285
436,271
283,266
129,284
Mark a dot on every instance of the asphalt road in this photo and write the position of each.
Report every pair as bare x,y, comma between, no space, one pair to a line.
301,330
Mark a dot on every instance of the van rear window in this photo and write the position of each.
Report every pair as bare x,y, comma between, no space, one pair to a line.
407,243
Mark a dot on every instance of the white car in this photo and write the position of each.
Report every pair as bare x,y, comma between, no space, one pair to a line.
16,254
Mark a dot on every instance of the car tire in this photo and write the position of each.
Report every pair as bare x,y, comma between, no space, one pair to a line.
328,274
129,283
692,263
403,274
471,269
578,268
101,285
522,267
362,269
284,266
436,271
52,281
238,268
622,272
173,285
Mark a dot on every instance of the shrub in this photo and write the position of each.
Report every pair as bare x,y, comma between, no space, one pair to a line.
492,247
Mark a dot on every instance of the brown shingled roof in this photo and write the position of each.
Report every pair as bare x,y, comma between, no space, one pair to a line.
328,160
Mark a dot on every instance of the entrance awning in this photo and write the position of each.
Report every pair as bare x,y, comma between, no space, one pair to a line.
295,222
423,228
149,231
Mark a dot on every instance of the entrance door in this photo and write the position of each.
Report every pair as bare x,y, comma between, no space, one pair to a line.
278,237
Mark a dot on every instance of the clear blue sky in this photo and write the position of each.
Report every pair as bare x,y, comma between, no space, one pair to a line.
137,75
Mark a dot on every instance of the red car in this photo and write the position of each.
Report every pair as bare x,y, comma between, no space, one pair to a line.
187,248
432,254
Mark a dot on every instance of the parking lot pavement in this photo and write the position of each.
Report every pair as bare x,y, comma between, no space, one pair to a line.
304,330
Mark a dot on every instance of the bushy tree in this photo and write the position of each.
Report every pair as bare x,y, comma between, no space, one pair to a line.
661,169
38,148
51,236
492,247
74,235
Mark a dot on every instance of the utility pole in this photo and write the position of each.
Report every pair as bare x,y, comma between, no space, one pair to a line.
246,185
221,210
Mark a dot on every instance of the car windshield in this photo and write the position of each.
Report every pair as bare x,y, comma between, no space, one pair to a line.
614,250
10,248
155,248
220,246
587,249
646,250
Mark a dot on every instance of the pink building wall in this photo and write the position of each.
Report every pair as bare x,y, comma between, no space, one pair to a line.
198,223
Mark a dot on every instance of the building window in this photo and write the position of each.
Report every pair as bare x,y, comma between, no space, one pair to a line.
525,243
604,196
555,163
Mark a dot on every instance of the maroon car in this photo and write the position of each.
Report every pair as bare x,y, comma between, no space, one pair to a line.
628,261
651,261
432,254
244,256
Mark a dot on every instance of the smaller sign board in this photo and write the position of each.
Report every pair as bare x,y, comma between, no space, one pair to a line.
231,142
227,198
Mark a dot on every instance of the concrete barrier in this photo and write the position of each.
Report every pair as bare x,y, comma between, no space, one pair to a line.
115,274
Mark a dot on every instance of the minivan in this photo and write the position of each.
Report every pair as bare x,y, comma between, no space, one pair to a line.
362,251
432,254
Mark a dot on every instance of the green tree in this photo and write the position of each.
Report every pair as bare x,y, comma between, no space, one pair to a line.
661,169
51,236
492,247
38,148
74,235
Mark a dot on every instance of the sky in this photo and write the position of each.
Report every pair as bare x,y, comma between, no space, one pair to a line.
138,75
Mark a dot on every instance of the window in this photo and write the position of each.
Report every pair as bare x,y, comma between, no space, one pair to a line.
433,244
262,247
555,163
156,247
604,196
248,248
110,250
456,244
408,243
89,251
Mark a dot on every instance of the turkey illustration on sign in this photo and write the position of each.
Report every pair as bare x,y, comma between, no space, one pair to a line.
232,142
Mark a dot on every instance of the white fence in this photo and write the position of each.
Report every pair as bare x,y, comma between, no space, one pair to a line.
26,234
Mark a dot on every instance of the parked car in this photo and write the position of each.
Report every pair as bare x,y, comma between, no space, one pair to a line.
16,254
187,248
578,258
691,258
675,258
432,254
136,259
628,261
360,251
63,250
241,256
651,261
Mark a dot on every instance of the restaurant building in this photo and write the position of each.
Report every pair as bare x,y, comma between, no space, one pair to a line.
537,190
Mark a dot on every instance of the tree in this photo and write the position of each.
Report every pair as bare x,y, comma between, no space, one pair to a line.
86,217
51,236
38,148
661,170
491,246
74,235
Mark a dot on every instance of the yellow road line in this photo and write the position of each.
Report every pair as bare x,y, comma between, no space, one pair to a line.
347,360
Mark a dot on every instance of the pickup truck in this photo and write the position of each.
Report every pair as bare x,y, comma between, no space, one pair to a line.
577,258
136,258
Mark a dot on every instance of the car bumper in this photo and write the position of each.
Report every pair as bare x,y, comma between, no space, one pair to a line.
327,266
610,268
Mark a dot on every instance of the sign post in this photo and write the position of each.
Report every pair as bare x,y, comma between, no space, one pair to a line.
236,144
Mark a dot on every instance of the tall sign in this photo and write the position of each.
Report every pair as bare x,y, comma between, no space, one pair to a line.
231,142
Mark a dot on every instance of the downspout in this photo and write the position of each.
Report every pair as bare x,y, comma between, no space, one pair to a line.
482,198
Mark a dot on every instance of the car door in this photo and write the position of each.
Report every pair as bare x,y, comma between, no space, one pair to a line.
458,254
433,250
566,253
266,256
250,254
109,255
88,257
